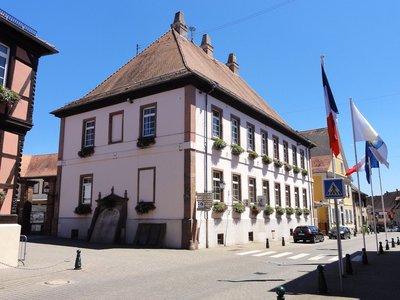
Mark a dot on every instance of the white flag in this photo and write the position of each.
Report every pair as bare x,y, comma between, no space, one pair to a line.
363,131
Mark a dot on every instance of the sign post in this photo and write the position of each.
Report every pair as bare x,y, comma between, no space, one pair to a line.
334,189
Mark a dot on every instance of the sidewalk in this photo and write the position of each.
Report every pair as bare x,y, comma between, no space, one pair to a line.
377,280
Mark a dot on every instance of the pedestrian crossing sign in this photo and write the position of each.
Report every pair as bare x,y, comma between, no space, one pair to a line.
333,189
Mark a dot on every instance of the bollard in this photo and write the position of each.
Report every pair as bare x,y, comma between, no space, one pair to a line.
393,243
78,265
380,248
280,291
267,244
387,245
398,241
355,232
322,288
364,257
283,241
349,267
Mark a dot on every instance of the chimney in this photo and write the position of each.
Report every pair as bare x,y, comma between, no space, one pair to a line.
232,64
179,24
206,45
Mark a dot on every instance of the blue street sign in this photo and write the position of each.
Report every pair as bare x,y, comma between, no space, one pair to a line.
333,189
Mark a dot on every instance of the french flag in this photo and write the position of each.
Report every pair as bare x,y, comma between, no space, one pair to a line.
331,111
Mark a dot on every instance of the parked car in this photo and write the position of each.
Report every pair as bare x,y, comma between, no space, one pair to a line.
307,233
344,233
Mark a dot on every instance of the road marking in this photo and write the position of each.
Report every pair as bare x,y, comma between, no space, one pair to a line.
264,253
281,254
299,256
248,252
318,257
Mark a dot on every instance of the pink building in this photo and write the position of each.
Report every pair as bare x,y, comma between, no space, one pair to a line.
146,153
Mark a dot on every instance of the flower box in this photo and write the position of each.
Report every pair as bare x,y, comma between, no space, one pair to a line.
144,207
86,151
252,154
8,96
145,141
288,167
236,149
289,210
238,207
83,209
298,211
266,159
268,210
219,144
304,172
278,163
219,207
279,210
296,169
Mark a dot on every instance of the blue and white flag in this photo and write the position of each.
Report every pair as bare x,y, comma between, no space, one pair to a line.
363,131
370,161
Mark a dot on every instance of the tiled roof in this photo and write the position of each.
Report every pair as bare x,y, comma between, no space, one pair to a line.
321,155
34,166
391,200
171,57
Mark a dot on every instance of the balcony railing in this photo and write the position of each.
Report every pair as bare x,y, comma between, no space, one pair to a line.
17,22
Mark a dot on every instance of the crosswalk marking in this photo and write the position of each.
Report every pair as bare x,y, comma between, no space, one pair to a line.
299,256
249,252
264,253
318,257
281,254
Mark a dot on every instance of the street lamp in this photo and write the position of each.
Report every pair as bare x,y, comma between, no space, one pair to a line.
46,188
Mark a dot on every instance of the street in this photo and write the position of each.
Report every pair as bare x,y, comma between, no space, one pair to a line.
238,272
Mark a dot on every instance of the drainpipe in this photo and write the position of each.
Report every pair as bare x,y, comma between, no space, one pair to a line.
214,85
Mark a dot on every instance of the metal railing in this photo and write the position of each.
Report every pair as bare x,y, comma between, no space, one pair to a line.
15,21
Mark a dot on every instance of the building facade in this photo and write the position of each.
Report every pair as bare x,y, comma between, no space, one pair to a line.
325,166
174,132
20,50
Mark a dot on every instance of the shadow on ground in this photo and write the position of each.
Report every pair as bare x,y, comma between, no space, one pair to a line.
376,280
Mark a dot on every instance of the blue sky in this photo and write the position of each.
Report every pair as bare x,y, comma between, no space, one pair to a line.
277,43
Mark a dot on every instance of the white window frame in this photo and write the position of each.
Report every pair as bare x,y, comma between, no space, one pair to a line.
7,58
149,121
88,132
235,128
86,189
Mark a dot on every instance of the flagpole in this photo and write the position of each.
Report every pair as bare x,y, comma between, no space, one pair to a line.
383,202
358,178
339,244
373,204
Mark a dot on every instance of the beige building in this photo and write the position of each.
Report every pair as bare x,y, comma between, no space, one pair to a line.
322,163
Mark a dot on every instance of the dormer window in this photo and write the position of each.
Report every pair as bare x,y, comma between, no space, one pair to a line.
4,56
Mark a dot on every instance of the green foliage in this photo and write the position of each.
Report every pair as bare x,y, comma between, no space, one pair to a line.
289,210
239,207
144,207
219,144
288,166
298,211
8,96
278,163
236,149
266,159
306,211
304,172
296,169
254,209
219,207
268,210
83,209
252,154
279,210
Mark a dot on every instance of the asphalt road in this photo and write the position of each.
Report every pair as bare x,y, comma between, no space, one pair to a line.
238,272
